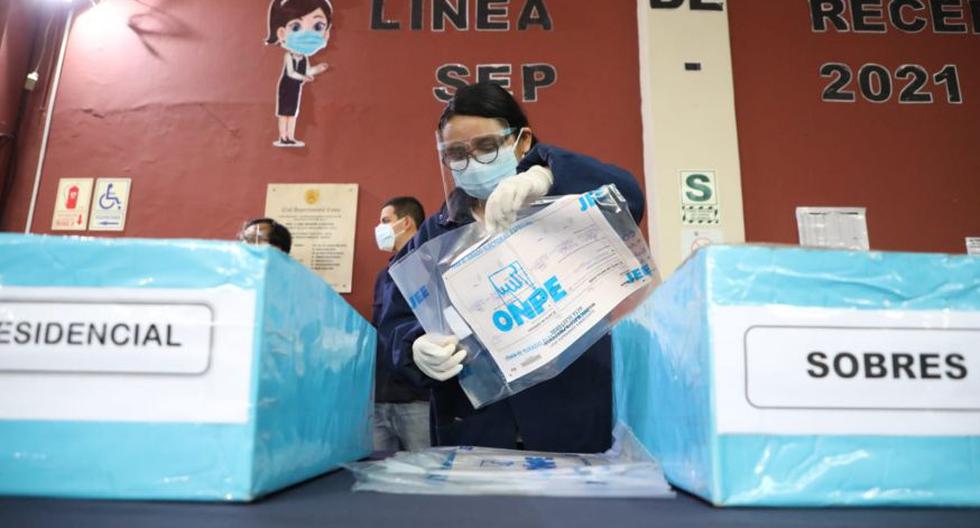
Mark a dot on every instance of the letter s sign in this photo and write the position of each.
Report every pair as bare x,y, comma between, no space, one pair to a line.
698,188
697,191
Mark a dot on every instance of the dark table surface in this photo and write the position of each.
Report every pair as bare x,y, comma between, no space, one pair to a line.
328,501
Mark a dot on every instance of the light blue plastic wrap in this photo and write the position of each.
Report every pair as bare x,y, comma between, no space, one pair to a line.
665,372
309,396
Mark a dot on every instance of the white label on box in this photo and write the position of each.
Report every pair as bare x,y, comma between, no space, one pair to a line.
861,368
119,354
79,336
792,370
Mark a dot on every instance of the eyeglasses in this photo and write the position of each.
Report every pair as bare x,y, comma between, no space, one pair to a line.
483,149
255,234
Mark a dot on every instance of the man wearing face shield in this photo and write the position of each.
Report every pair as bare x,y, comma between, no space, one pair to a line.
492,167
401,410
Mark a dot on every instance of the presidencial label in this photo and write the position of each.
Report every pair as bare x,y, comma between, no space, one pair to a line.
121,354
792,370
535,290
79,336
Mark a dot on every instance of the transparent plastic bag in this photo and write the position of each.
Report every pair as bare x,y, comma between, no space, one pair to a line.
626,470
531,300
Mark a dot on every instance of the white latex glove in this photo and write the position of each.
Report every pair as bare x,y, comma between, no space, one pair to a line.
512,194
438,356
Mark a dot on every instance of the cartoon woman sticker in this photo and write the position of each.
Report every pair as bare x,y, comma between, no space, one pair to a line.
302,28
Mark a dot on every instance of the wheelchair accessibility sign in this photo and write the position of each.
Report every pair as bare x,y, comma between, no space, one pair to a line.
110,203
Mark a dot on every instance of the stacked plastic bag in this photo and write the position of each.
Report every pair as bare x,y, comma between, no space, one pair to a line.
625,471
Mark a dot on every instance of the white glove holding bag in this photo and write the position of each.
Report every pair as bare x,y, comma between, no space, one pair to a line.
438,356
513,193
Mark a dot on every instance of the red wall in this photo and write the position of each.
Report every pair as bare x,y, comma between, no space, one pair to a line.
915,167
180,97
18,23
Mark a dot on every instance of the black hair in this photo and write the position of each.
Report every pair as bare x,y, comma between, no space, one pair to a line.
407,206
282,11
485,99
279,236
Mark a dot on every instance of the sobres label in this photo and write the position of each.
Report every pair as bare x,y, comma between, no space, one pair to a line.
554,276
862,368
796,370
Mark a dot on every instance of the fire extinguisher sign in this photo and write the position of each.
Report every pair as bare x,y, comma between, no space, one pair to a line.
72,204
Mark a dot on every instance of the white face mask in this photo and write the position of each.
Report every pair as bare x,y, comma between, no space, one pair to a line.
384,235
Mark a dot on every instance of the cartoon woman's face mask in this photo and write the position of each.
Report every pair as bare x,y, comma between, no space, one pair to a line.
306,35
305,42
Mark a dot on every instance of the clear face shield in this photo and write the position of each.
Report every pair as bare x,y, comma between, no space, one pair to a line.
473,160
255,234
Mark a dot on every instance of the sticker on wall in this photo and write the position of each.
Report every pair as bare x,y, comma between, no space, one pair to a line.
301,28
110,203
699,198
321,218
833,227
693,239
973,246
71,204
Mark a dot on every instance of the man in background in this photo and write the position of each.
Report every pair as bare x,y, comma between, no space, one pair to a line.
266,231
401,411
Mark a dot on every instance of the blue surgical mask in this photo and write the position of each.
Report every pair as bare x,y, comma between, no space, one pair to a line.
305,42
479,179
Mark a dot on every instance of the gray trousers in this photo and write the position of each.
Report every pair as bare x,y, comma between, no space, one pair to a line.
401,426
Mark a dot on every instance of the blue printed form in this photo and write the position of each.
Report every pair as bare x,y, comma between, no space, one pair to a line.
533,290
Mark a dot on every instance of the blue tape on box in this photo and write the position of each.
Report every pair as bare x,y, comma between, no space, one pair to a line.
174,369
795,377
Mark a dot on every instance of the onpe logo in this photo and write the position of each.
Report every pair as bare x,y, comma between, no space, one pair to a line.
523,300
511,281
